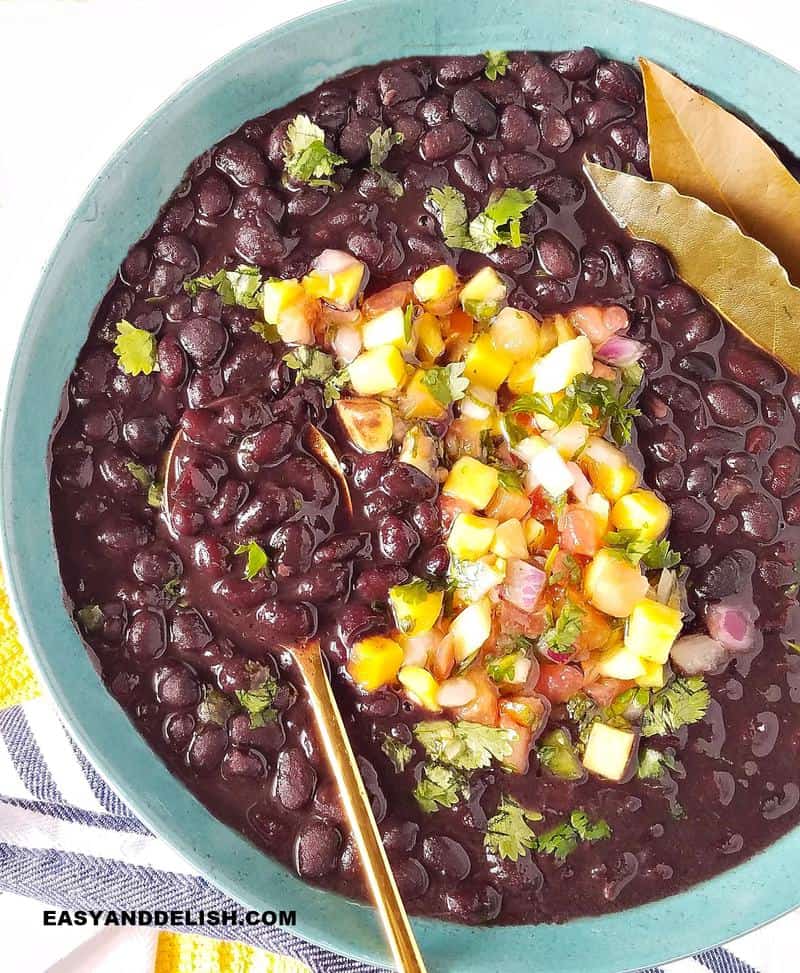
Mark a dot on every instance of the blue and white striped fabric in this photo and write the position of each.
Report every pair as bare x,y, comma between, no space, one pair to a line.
67,840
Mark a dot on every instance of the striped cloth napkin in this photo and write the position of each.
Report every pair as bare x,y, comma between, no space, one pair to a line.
66,839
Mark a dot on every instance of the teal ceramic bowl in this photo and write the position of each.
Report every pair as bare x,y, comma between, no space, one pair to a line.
120,205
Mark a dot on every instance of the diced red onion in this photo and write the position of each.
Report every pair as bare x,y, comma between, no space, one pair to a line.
347,343
581,488
333,262
732,627
524,584
695,654
620,351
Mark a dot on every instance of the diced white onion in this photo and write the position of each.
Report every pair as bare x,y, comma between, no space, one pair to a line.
456,692
695,654
347,343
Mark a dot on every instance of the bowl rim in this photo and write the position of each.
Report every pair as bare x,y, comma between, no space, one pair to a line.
157,814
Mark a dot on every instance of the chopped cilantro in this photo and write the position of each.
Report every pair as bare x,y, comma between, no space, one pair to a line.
559,756
439,787
569,572
497,62
446,383
498,224
155,494
633,547
389,182
509,834
560,638
305,155
463,745
412,592
215,707
502,668
311,364
399,753
593,401
257,559
268,332
90,617
241,286
136,350
653,763
172,588
258,702
564,838
510,479
473,579
141,474
514,432
381,143
584,711
408,322
794,646
682,701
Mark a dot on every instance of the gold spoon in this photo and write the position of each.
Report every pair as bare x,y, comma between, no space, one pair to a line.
336,743
357,806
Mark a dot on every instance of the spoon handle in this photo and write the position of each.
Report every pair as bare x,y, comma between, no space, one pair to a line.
359,812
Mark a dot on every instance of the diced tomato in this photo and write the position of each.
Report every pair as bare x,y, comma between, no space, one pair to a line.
541,505
512,621
605,690
580,532
596,629
559,682
508,504
463,437
517,760
482,709
398,295
601,370
529,711
450,508
599,323
459,323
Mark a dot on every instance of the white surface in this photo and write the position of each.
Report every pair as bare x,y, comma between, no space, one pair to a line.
76,78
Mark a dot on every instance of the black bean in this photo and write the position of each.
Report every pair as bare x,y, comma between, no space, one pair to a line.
146,635
261,244
295,779
443,141
320,584
247,763
177,730
555,128
696,328
136,264
125,535
446,857
171,362
358,621
475,111
629,141
515,169
157,566
408,483
412,879
676,299
287,620
556,254
257,204
518,128
649,265
177,250
241,161
397,85
397,540
374,581
239,593
729,405
399,837
618,81
189,632
458,69
178,216
543,87
469,173
176,685
476,905
750,367
522,875
213,196
575,65
202,339
759,517
207,749
341,547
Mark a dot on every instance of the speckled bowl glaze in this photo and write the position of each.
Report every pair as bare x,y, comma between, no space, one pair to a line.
121,204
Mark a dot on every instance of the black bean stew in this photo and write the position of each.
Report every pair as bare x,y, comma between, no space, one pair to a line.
199,531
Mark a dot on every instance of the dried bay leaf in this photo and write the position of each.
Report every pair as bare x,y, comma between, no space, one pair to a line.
743,280
706,152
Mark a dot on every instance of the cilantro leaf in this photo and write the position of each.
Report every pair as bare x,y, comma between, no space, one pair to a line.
446,383
215,707
794,646
257,559
473,579
389,182
487,231
240,286
463,745
305,155
635,548
399,753
450,209
136,350
408,323
557,753
155,494
140,473
258,702
510,478
564,838
311,364
509,834
502,668
90,617
560,638
172,588
684,700
381,142
653,763
268,332
569,572
497,62
439,787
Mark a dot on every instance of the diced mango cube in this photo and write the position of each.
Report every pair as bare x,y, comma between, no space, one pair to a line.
378,371
564,330
614,585
470,629
620,663
388,328
374,662
653,677
548,338
601,509
471,481
612,481
534,532
471,536
368,423
517,333
608,750
277,295
560,366
520,378
641,511
652,630
416,609
418,449
508,504
435,284
340,289
420,686
485,364
509,540
430,343
483,295
418,402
